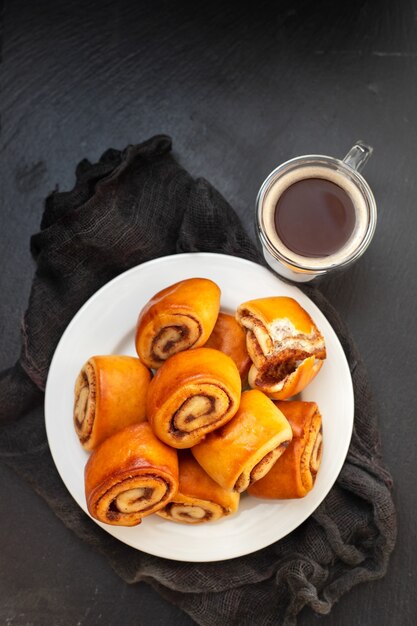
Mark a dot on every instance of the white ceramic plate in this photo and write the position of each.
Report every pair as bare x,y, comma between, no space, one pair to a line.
106,324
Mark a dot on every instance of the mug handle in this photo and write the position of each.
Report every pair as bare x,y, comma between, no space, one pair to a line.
358,155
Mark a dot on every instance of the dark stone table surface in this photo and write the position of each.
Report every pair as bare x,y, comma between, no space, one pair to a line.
240,87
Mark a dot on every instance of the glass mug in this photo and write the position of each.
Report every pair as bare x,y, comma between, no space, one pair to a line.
348,222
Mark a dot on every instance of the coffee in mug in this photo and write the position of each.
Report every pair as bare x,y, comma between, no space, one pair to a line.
316,214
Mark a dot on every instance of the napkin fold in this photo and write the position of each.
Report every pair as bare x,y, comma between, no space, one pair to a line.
132,206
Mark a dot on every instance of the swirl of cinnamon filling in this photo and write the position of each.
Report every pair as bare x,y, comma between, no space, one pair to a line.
250,476
294,474
192,513
85,402
129,476
316,453
311,453
206,405
177,318
179,332
131,499
199,498
192,394
245,449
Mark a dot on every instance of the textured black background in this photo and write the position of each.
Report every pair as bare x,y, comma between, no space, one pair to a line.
240,89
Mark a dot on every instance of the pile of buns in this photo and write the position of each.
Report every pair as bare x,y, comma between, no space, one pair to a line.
203,414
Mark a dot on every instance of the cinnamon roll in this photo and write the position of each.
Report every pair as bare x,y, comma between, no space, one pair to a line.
245,449
199,499
177,318
193,393
129,476
229,337
293,475
285,345
110,393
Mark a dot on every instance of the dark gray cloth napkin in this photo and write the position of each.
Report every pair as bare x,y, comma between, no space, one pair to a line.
130,207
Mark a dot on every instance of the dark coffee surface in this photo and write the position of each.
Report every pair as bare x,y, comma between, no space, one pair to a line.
314,217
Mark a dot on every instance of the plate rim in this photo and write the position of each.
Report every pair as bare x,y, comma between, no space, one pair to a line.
109,285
